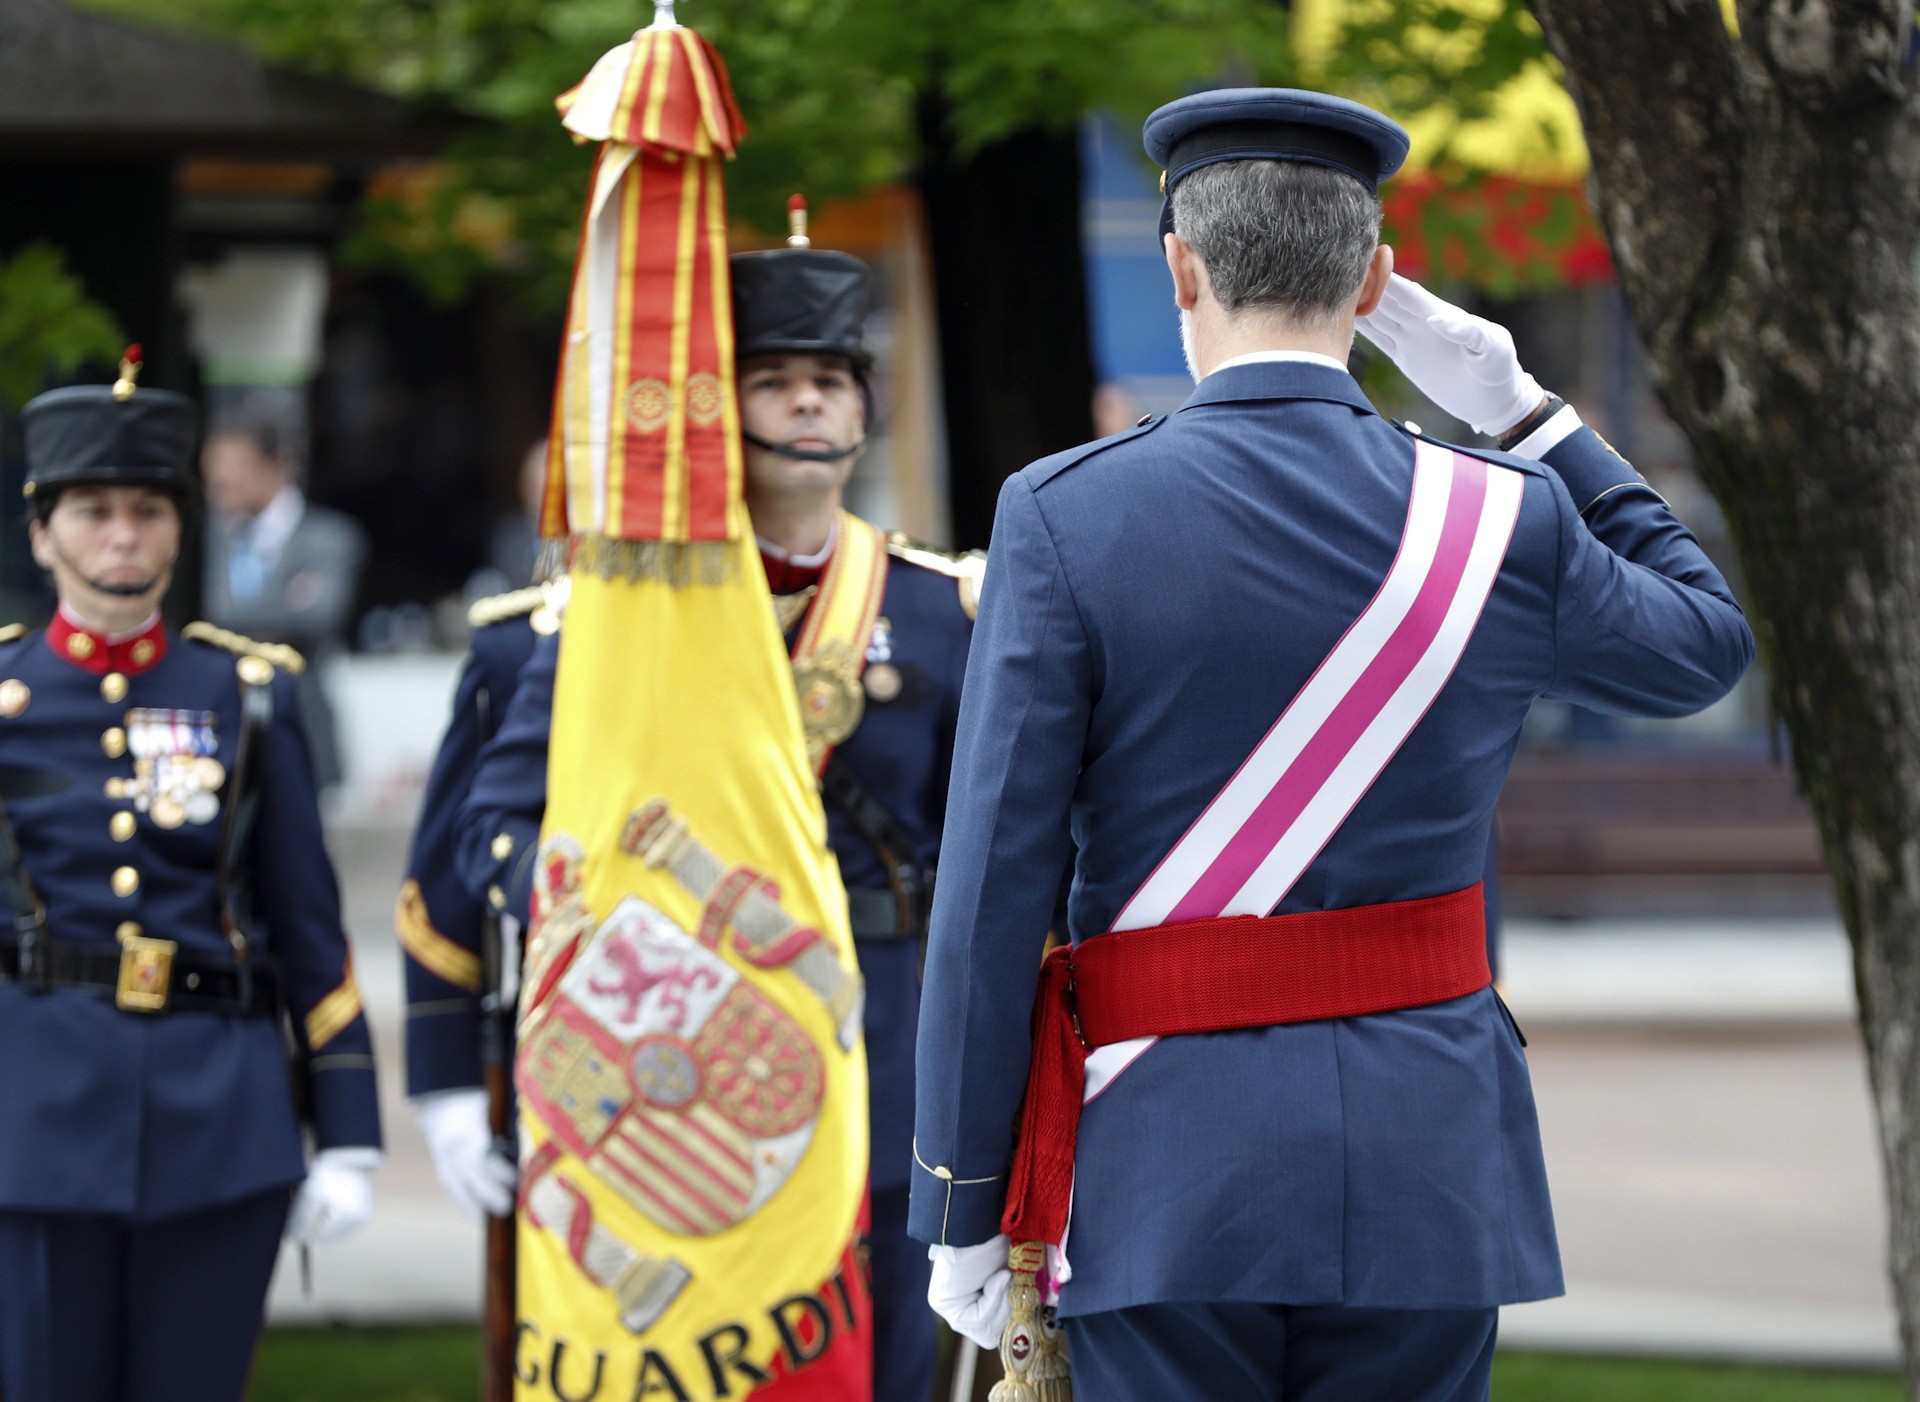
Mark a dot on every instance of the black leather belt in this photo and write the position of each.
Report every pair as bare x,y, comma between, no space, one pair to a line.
151,976
875,915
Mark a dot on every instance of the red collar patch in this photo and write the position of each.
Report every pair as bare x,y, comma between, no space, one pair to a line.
785,577
91,652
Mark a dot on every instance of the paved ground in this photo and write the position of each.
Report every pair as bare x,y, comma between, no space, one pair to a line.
1703,1102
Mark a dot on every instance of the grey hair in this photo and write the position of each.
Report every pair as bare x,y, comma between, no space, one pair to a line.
1279,236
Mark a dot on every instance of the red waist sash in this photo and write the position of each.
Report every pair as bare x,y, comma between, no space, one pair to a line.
1213,976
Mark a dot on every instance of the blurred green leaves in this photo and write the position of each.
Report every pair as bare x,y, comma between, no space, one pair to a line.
837,96
47,323
830,89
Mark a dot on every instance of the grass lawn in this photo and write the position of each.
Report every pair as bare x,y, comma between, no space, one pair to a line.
439,1365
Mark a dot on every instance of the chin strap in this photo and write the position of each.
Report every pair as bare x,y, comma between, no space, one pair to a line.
787,450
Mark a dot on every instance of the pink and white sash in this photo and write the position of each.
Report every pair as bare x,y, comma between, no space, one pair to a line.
1261,832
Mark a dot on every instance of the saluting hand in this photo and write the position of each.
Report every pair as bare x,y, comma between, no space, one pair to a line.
1462,362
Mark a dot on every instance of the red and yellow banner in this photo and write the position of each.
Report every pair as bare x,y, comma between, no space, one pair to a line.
691,1077
645,445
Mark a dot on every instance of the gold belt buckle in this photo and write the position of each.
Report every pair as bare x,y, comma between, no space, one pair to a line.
146,974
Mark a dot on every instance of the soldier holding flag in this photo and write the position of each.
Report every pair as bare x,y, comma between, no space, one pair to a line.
878,632
689,1059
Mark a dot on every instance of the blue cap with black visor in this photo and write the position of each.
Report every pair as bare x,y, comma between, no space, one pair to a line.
1270,124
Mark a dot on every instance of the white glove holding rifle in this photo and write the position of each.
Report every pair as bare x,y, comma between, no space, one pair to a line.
1462,362
475,1174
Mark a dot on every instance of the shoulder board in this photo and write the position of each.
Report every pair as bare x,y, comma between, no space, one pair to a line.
13,632
1047,469
498,608
278,654
542,605
965,567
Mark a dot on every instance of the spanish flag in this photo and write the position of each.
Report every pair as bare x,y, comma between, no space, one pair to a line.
691,1078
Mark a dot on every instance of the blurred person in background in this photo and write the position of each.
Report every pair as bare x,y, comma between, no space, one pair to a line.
1115,410
882,736
172,903
513,544
278,567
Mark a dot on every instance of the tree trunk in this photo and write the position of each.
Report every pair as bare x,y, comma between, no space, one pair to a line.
1762,198
1016,365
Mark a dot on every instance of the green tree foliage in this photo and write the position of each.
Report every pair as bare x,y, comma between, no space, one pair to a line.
829,88
47,323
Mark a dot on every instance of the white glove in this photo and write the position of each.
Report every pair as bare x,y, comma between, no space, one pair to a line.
476,1176
1464,363
969,1289
337,1198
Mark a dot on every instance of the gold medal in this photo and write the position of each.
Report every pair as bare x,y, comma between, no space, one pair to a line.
209,773
167,812
883,681
830,704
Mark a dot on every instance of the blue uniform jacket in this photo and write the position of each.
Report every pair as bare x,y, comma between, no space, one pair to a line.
438,919
901,752
149,1115
1153,602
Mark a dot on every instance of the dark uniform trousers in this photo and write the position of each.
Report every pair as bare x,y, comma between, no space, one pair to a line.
1282,1353
105,1309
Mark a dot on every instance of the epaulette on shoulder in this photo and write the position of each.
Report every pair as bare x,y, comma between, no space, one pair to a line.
541,604
1047,469
965,567
13,632
498,608
279,655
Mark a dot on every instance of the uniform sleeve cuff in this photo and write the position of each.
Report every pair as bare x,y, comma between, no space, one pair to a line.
1549,435
946,1210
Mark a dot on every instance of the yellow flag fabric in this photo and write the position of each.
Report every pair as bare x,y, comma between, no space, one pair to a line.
692,1080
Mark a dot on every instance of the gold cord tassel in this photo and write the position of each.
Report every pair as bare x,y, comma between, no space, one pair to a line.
1034,1350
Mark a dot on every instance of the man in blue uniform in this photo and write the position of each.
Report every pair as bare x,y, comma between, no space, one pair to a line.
173,902
1258,669
879,639
442,925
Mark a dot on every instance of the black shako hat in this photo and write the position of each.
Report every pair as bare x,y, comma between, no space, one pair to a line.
113,435
1270,124
804,301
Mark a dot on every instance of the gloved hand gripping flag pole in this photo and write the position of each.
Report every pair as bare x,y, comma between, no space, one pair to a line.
691,1079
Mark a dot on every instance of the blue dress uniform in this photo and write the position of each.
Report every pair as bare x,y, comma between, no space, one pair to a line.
1332,1209
900,753
439,921
149,1137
